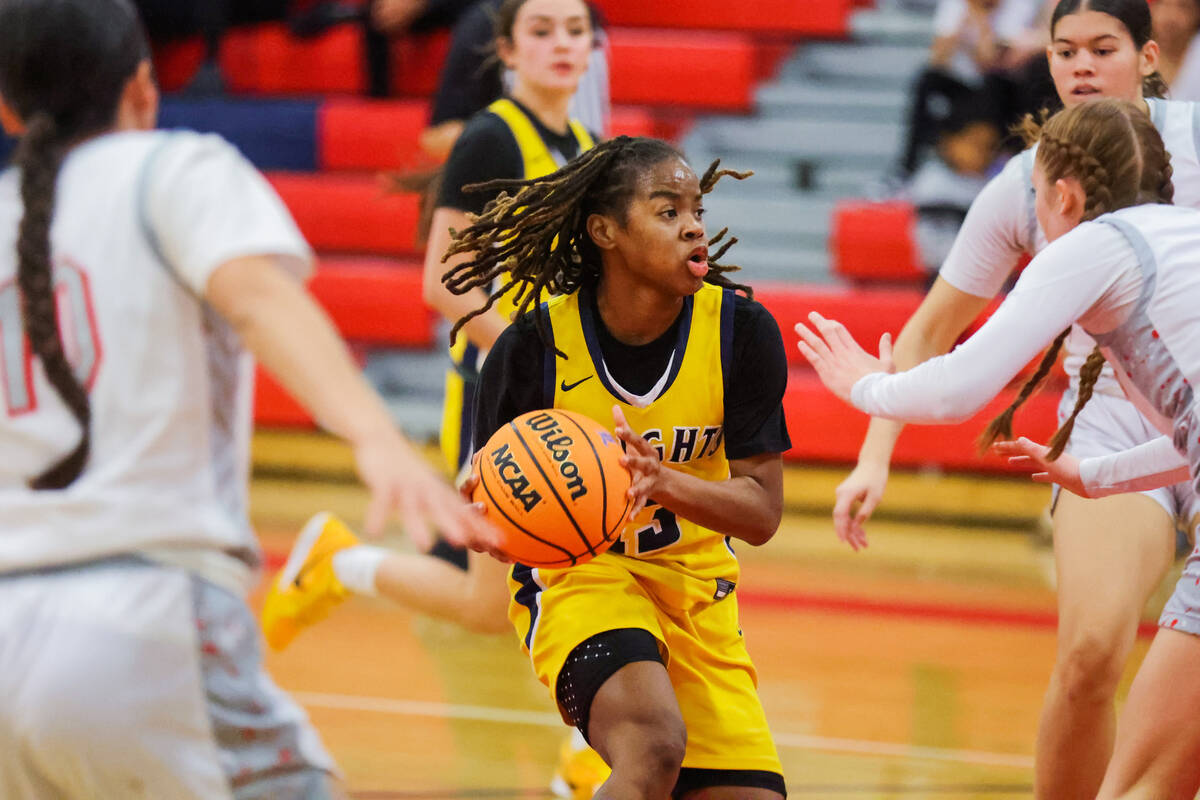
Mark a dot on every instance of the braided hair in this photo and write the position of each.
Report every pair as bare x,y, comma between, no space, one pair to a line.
63,67
538,234
1113,149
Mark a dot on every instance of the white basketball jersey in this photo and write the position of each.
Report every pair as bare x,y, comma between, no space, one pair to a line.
141,221
1002,224
1156,347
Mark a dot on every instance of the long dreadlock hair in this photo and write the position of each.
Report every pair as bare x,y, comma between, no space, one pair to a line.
1113,149
535,231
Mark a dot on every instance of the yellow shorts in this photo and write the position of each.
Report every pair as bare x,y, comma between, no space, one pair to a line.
715,683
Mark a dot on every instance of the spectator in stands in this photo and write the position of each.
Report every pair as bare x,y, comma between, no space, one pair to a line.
1176,23
473,76
971,38
389,19
943,187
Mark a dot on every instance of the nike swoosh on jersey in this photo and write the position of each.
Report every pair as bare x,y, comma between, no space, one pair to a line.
566,387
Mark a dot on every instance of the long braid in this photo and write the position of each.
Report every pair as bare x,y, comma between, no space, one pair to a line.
1157,185
535,230
39,157
1089,373
1001,426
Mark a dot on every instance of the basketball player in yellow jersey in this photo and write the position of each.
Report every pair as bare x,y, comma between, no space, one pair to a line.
641,647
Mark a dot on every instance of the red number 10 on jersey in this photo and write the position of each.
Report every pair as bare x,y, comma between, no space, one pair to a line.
77,326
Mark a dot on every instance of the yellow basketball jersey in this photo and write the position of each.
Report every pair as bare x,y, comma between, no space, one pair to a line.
538,161
685,423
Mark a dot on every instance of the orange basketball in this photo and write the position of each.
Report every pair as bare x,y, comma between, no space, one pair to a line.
554,487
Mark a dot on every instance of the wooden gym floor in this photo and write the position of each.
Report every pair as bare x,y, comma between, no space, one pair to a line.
914,669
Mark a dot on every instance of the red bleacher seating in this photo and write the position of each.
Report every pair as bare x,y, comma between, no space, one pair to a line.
267,59
874,241
823,428
867,313
350,213
372,301
794,18
682,68
375,300
360,134
274,407
693,69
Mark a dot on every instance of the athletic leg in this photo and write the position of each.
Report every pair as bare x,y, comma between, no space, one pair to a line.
475,598
636,726
732,793
1157,754
1111,554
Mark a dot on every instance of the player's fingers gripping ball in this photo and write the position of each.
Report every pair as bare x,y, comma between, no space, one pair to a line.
553,484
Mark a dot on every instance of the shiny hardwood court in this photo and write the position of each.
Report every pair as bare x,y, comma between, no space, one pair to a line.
914,669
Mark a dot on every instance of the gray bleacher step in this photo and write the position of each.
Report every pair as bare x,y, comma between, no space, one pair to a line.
421,420
863,144
892,25
817,101
789,221
880,65
412,372
781,176
850,180
779,264
412,383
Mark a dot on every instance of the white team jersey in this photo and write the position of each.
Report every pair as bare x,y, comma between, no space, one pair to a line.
141,221
1128,278
1001,225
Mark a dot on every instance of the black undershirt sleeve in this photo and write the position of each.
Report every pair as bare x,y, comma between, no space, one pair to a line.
485,151
470,77
511,379
754,420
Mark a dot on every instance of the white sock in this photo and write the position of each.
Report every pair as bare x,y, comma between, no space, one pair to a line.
356,566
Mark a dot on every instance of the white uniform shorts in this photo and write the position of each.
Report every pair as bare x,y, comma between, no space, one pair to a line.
124,679
1110,424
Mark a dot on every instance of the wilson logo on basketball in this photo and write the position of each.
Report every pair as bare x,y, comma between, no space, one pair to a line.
559,445
510,474
552,483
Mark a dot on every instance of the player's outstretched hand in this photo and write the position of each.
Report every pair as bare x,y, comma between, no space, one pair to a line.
641,460
857,497
836,357
1030,455
404,485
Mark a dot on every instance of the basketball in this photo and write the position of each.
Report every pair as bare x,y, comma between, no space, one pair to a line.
554,486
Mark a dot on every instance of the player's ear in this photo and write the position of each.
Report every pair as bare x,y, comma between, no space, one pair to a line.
602,229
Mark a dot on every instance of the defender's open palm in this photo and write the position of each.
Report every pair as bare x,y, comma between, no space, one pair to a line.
403,484
836,357
1031,456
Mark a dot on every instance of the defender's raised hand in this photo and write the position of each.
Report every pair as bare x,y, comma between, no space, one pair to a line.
836,357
